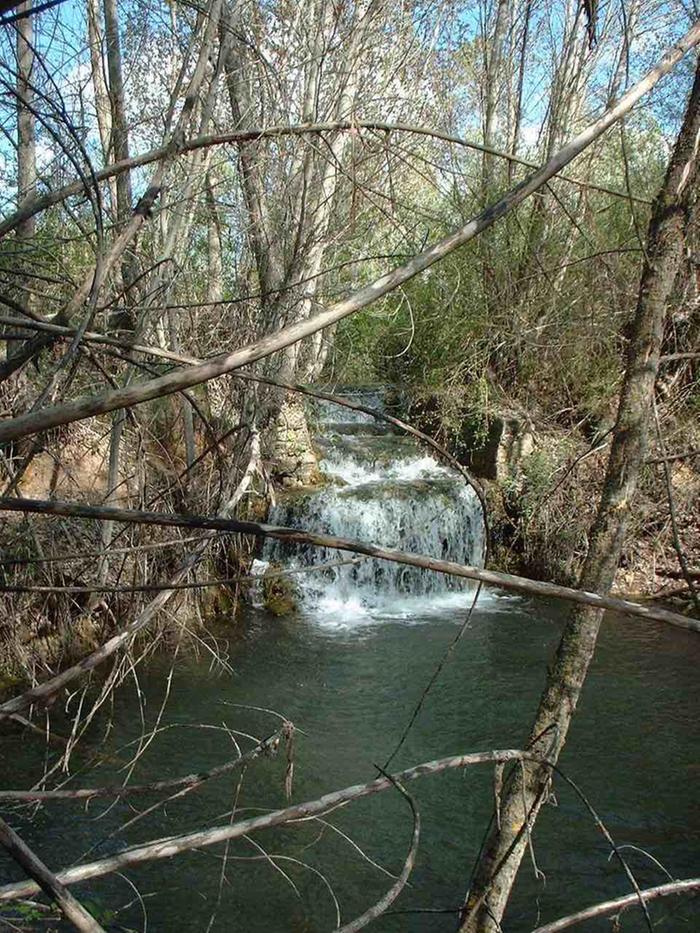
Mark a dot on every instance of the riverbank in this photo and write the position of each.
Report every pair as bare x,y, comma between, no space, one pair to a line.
543,480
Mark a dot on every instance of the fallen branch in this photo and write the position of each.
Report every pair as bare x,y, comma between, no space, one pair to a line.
689,886
672,357
676,574
506,581
138,392
268,745
158,587
175,845
683,455
47,882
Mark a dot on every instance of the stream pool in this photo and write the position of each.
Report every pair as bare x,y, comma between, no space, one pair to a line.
633,749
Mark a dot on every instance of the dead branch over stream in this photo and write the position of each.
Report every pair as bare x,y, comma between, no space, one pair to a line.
299,536
174,845
690,886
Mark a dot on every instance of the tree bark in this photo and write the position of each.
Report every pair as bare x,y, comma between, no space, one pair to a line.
26,157
120,135
26,132
103,110
215,270
528,788
493,87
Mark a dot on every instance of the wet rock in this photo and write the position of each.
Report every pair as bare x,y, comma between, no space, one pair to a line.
495,450
280,594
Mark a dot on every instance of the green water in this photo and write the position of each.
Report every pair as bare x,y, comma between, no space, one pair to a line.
633,749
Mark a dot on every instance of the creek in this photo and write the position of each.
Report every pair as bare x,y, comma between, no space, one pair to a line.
347,668
380,486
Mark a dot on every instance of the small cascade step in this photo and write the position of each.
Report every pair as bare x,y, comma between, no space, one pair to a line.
382,488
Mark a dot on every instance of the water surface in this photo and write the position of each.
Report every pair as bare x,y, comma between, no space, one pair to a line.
632,749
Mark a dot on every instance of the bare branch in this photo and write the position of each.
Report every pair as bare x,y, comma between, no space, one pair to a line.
606,908
296,535
385,902
46,881
175,845
136,393
268,745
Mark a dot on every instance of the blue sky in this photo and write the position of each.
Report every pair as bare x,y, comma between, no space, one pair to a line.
60,38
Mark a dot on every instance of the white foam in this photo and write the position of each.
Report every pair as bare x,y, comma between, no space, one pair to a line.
370,498
354,472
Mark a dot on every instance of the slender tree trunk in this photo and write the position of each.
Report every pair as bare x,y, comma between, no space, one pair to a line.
570,71
26,162
493,80
103,110
119,146
120,135
528,787
26,155
518,97
26,132
265,247
215,287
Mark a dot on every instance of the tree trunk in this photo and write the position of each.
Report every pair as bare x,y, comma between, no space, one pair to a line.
26,133
26,156
120,136
215,285
528,787
119,145
103,110
493,85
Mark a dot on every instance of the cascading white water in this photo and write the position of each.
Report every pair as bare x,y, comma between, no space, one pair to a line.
382,488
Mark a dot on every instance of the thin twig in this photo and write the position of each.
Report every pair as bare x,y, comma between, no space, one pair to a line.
383,904
268,745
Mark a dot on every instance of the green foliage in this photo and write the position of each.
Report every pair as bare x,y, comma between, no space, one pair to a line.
28,916
535,310
535,482
21,914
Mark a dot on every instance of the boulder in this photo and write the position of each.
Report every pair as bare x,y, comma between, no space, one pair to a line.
496,449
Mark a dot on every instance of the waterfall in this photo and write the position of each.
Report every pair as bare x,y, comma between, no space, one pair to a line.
381,488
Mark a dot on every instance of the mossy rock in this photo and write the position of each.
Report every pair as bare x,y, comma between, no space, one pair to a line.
9,681
280,594
257,508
